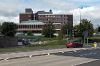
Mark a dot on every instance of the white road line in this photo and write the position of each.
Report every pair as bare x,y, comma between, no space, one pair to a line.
85,62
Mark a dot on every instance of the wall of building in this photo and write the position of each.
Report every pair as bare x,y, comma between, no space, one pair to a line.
57,19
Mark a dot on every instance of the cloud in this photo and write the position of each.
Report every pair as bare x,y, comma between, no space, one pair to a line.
9,19
10,9
91,13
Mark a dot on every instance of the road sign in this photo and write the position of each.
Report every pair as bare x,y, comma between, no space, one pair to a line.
85,34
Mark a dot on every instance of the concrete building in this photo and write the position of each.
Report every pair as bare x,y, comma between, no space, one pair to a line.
31,25
34,26
27,20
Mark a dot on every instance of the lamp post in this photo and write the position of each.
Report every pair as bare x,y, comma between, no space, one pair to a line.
49,22
80,24
80,17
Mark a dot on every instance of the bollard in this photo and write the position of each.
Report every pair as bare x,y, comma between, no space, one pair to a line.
95,45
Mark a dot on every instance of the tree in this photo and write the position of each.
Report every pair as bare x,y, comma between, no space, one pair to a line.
65,30
0,27
98,29
48,30
29,33
8,29
85,25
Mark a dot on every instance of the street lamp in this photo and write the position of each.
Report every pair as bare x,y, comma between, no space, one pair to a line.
80,20
49,22
84,33
80,16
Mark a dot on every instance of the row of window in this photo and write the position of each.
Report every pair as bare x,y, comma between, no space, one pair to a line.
29,26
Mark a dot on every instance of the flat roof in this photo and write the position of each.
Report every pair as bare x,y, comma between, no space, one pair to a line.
31,22
55,14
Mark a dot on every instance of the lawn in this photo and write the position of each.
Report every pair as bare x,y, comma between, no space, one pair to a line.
54,44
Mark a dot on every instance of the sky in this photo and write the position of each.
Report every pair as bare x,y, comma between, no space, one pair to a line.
89,9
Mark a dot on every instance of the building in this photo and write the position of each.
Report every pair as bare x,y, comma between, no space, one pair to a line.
58,20
28,15
31,25
34,26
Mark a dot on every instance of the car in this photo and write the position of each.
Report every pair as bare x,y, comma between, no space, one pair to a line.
74,45
24,41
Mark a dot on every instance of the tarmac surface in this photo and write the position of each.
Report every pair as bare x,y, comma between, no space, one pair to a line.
58,57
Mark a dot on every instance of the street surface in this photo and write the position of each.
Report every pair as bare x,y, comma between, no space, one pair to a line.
93,63
68,58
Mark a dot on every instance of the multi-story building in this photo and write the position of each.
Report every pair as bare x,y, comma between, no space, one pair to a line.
58,20
31,25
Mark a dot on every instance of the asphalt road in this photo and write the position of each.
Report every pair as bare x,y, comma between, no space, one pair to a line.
70,58
93,63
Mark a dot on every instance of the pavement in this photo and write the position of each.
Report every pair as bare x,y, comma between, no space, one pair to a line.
59,57
9,56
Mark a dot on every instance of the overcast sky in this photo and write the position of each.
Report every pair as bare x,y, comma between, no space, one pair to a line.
10,9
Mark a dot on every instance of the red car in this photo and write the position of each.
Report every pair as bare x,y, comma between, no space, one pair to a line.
74,45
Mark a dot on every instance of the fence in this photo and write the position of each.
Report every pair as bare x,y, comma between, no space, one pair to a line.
8,42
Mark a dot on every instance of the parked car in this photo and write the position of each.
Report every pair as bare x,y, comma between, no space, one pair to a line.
74,45
24,41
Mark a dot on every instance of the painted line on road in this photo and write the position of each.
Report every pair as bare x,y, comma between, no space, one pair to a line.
85,62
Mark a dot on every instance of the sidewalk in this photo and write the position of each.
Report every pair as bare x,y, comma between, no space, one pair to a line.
35,53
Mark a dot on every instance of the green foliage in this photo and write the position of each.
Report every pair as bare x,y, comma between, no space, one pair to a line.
61,35
0,27
85,25
29,33
65,30
8,29
48,30
98,28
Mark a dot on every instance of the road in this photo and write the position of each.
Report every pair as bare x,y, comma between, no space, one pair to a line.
69,58
93,63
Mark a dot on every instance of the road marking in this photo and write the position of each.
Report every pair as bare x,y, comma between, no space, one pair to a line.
61,51
85,62
48,53
30,56
6,59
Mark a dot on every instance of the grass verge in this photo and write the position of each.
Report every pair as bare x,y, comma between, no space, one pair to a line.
50,45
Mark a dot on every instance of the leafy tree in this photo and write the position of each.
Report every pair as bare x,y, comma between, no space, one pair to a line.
0,27
65,30
85,25
98,29
29,33
48,30
8,29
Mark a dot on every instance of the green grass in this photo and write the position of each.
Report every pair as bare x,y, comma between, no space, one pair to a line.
94,38
50,45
